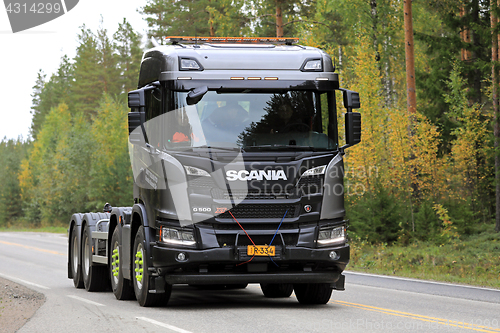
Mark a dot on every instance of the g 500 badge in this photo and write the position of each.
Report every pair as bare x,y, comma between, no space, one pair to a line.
26,14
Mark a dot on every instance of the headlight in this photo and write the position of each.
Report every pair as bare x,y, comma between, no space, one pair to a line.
192,171
188,64
315,171
331,236
312,65
175,236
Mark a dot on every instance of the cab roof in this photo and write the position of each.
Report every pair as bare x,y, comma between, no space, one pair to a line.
221,61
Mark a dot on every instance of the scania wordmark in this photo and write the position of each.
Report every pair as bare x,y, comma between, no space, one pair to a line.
237,176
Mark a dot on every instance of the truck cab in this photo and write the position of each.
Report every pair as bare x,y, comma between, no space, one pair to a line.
238,172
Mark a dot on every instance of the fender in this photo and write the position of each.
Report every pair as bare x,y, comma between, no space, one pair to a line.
121,219
140,210
91,220
76,223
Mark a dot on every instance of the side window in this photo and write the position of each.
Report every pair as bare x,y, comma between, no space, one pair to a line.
153,110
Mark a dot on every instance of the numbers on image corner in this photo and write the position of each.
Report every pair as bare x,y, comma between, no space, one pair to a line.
36,8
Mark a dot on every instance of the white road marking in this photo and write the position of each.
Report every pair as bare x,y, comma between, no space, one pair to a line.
23,281
158,323
421,281
85,300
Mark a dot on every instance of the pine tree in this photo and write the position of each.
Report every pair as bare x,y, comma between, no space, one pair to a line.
279,18
195,18
47,95
87,87
129,55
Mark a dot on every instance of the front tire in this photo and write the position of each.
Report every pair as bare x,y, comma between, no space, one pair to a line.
140,275
313,293
122,288
95,278
276,290
76,269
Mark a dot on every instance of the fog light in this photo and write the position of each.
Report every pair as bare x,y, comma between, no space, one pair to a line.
181,256
334,255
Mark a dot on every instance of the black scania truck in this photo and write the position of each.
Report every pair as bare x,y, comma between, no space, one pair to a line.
238,176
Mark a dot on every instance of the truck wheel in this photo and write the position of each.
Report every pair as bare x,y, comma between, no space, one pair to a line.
276,290
122,288
140,275
94,277
74,254
313,293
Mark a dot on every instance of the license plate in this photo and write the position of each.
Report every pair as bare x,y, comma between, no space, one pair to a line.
261,250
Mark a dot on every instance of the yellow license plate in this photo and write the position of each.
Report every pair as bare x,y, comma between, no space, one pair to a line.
261,250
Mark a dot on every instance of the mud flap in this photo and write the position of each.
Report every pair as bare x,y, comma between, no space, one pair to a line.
339,285
159,285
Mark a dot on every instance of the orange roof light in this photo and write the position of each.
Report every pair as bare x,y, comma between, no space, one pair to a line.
242,40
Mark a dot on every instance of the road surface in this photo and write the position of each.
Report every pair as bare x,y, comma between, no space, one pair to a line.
369,304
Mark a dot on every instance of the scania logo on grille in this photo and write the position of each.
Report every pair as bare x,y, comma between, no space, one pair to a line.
307,208
255,175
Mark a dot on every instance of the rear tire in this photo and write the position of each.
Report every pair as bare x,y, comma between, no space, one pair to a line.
140,275
74,250
95,278
122,288
313,293
276,290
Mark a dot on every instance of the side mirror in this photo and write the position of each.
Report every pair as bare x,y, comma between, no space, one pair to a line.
352,128
351,100
137,116
195,95
137,100
135,133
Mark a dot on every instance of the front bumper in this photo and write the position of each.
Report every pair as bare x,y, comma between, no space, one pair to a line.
230,265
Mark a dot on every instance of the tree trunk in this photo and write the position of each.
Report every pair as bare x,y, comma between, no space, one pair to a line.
465,36
410,61
496,127
410,93
279,19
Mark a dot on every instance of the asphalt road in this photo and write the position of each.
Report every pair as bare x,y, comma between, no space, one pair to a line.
369,304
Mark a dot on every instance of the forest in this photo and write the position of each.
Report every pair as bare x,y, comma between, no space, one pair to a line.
428,176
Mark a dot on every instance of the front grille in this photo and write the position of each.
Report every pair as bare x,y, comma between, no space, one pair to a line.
243,240
249,211
251,194
255,226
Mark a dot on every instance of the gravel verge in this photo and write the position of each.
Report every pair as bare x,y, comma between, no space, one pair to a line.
17,305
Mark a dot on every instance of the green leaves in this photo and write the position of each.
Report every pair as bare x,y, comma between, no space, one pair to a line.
79,157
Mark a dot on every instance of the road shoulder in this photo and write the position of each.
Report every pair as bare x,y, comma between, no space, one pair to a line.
17,305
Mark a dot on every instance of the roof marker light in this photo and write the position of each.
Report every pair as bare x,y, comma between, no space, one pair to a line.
243,40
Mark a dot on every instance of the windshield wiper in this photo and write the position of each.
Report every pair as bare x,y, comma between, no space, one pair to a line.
284,147
221,148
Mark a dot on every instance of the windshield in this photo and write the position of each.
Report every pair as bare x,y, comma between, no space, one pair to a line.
249,121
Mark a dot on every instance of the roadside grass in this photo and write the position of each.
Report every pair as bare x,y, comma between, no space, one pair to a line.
19,226
473,260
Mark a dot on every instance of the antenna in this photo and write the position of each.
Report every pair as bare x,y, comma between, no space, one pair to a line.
155,42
